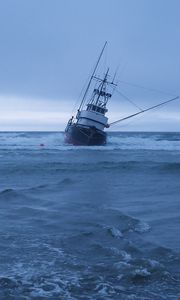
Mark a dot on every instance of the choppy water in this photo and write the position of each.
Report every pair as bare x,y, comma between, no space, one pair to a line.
89,222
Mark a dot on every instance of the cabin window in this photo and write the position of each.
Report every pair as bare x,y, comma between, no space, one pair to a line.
96,108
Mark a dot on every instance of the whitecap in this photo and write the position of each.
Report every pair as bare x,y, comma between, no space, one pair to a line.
142,272
115,232
142,227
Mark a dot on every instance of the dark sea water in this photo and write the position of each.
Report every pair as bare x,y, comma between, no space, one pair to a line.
89,222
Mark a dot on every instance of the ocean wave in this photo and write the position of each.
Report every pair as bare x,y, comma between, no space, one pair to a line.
115,232
54,186
56,267
126,166
10,194
6,191
142,227
62,278
116,141
143,143
170,167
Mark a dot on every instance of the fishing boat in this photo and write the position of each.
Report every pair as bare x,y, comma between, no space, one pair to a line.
88,127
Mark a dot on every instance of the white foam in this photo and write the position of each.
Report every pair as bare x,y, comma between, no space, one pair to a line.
126,256
154,264
142,227
143,143
118,141
116,232
142,272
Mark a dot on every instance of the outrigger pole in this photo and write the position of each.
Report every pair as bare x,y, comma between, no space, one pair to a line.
142,111
95,68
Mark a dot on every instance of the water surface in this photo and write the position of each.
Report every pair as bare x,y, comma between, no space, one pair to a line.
89,222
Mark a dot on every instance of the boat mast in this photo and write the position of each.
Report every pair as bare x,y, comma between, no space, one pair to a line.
88,86
104,81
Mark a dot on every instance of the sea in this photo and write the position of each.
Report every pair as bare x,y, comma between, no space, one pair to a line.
96,223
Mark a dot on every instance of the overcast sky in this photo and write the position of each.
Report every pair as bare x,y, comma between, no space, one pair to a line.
48,48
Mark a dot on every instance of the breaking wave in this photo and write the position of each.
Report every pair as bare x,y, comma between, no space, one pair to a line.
116,140
93,223
120,264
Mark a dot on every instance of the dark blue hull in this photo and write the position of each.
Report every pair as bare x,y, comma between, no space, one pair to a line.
82,135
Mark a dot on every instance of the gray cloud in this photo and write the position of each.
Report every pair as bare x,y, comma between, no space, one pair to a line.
47,48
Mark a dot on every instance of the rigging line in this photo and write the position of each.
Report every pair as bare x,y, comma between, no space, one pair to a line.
145,88
140,112
129,100
127,124
115,74
88,86
80,94
113,89
113,80
90,77
123,67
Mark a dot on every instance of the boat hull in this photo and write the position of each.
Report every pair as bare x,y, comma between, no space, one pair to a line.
87,136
